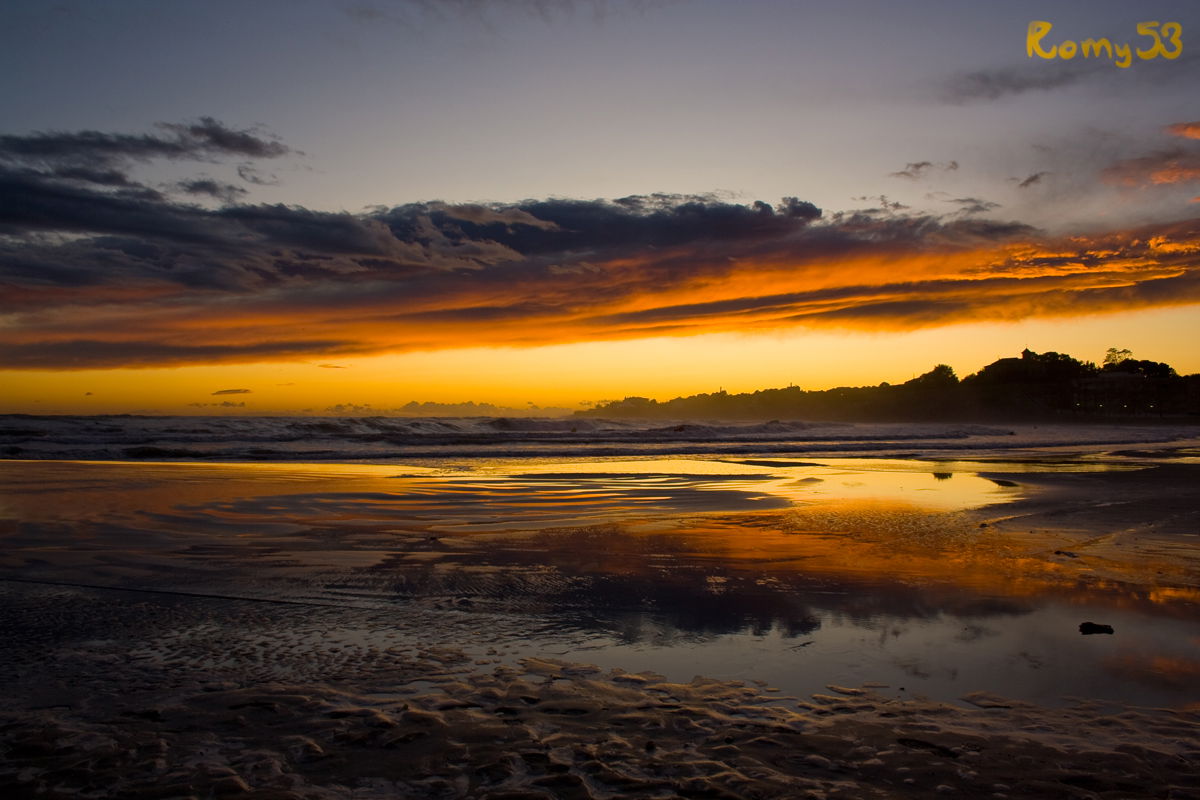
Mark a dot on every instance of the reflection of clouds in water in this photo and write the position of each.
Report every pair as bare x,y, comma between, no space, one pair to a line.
530,501
610,578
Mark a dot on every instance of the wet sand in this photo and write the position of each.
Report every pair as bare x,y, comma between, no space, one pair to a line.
1139,526
550,729
161,683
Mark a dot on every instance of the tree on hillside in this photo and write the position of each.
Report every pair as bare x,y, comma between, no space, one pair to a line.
1115,356
941,376
1143,367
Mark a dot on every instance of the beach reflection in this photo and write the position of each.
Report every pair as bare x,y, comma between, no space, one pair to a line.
777,570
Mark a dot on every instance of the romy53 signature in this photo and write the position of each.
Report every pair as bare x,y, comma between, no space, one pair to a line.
1165,41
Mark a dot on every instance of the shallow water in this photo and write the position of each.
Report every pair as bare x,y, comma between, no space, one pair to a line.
799,574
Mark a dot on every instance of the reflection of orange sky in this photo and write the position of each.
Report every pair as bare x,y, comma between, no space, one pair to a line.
191,507
882,543
1158,670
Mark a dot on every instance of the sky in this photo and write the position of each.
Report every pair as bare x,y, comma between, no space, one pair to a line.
340,207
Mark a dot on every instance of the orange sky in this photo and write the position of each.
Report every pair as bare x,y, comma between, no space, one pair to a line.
568,374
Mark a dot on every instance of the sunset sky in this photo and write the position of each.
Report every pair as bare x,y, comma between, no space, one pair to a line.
341,207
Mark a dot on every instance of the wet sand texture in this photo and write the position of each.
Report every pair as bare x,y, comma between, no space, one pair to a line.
550,729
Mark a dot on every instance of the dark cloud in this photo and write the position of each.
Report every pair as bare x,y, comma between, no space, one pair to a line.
311,231
201,140
851,232
486,215
351,408
138,235
973,205
55,183
95,353
535,227
232,391
919,169
100,177
884,203
1025,183
1046,75
1042,76
225,192
913,169
30,202
987,230
251,175
57,188
212,137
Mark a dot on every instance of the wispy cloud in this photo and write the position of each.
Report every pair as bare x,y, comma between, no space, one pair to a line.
985,85
203,139
226,192
410,13
919,169
1168,166
1177,164
1035,178
973,205
1188,130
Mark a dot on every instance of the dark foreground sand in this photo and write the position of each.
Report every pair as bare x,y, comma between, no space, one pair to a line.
142,695
550,729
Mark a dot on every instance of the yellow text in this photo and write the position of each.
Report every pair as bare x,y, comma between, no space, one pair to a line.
1166,41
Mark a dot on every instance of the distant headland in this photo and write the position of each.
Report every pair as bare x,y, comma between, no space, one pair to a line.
1032,386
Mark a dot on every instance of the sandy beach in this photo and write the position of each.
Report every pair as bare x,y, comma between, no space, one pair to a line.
263,631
